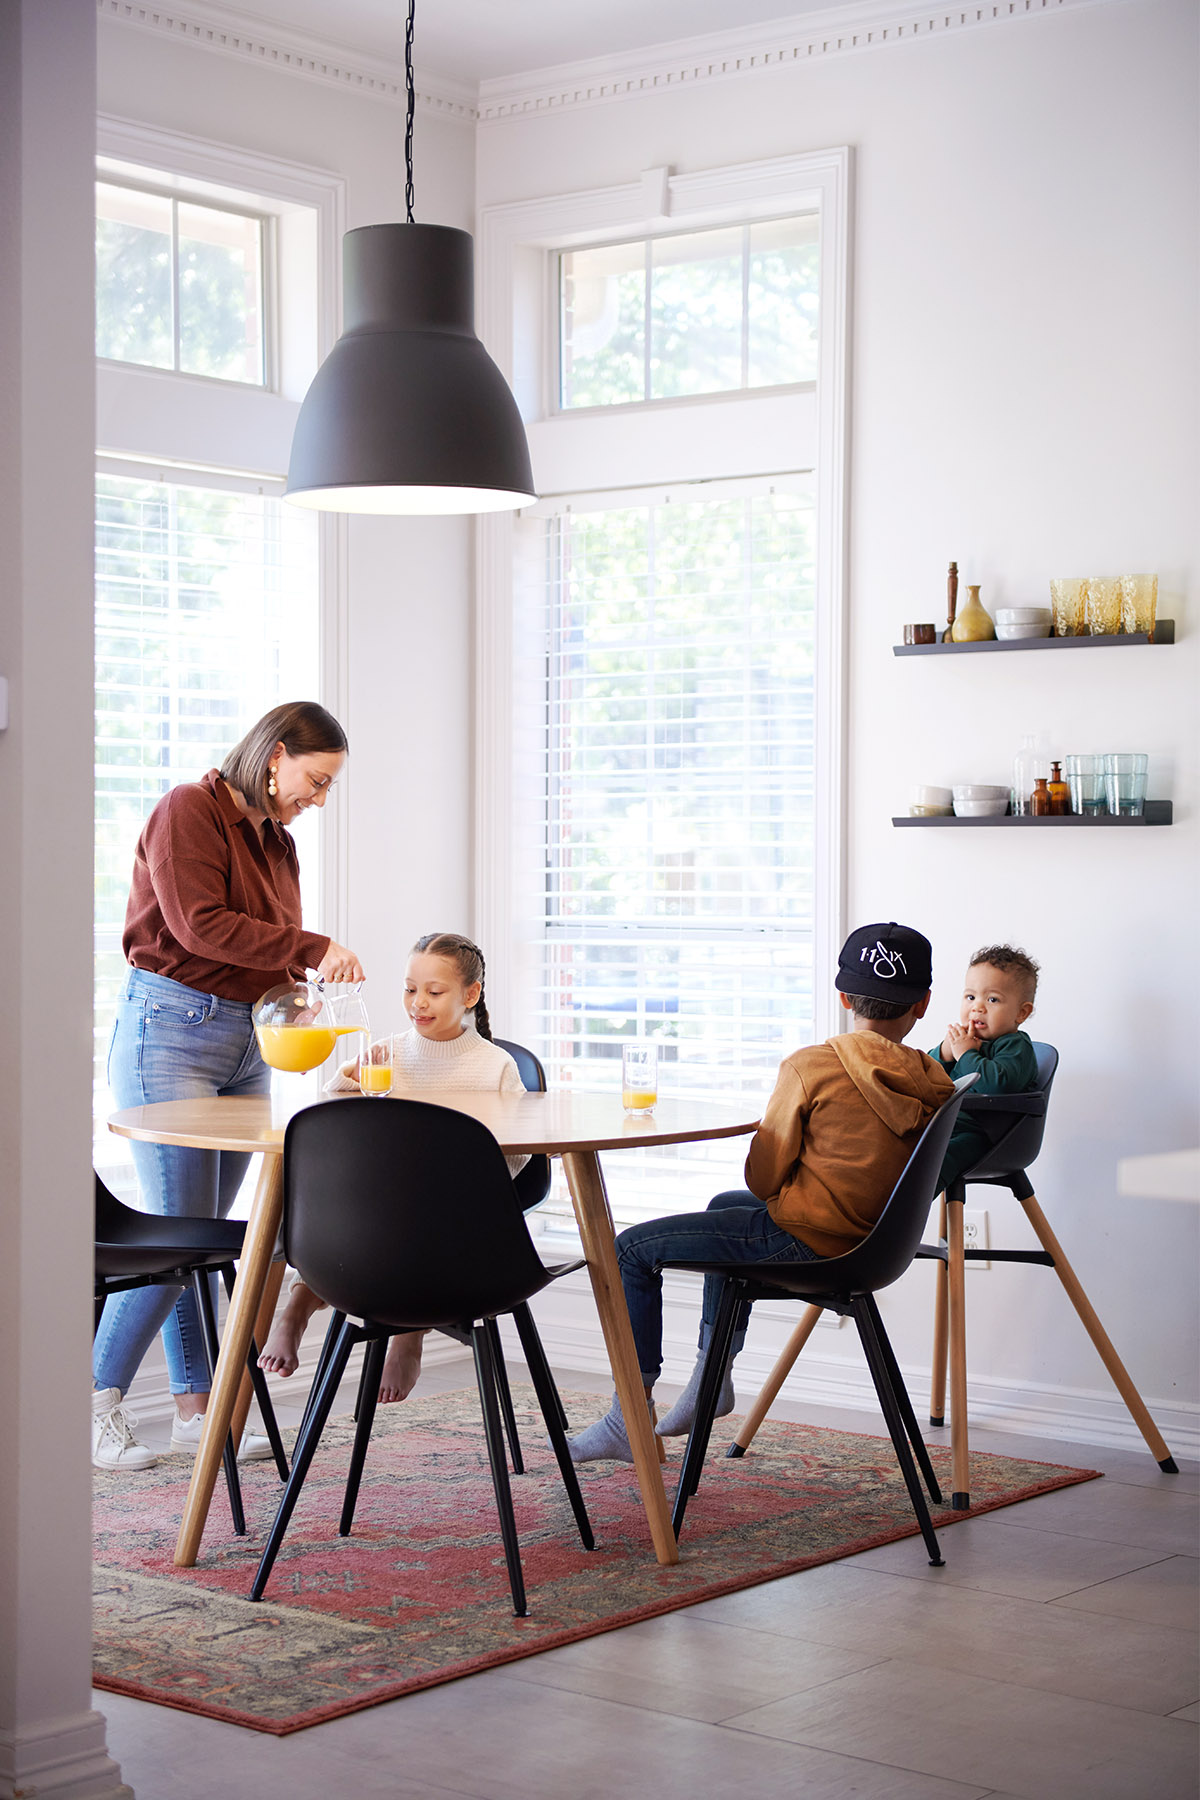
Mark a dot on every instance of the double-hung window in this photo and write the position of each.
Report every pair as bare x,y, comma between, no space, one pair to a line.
673,642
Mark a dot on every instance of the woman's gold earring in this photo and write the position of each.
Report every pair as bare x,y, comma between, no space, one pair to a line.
272,789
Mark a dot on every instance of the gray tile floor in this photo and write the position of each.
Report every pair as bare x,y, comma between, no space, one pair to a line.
1054,1657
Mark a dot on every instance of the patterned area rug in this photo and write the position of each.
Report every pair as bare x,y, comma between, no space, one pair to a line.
419,1593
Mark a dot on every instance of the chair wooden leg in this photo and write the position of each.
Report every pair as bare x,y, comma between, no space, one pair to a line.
937,1384
1101,1339
960,1448
769,1391
889,1401
504,1395
369,1400
302,1455
485,1376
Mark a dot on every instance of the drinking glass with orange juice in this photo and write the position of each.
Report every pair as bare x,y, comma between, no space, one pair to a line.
639,1077
375,1068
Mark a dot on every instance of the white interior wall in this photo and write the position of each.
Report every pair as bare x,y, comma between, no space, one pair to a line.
1024,385
404,692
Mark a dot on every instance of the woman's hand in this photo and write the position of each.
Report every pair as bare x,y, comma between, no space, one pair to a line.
340,964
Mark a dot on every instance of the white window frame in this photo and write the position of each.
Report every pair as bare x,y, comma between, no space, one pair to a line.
215,429
518,242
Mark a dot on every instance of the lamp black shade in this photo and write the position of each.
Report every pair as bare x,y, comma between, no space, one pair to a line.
408,413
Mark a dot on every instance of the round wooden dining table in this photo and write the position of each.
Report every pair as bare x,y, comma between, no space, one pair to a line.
574,1125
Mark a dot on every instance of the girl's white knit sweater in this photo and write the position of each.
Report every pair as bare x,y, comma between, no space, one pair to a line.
422,1065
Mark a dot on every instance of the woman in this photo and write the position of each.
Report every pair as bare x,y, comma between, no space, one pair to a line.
213,921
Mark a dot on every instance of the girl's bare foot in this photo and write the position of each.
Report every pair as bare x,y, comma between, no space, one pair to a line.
401,1367
281,1352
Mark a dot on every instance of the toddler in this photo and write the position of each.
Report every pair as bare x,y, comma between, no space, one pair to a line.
449,1045
987,1041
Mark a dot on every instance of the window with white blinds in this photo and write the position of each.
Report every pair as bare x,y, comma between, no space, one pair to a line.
677,648
206,616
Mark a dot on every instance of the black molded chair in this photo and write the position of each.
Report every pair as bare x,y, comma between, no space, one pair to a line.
1016,1124
136,1249
401,1215
847,1285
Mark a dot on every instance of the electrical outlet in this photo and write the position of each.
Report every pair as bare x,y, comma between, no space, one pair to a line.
976,1235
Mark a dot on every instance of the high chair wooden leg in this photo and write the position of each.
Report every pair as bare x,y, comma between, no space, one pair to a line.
937,1384
775,1380
960,1453
1100,1338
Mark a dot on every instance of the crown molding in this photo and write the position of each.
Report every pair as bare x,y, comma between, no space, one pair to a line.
245,39
783,44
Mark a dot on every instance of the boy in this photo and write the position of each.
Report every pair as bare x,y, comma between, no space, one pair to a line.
834,1137
997,999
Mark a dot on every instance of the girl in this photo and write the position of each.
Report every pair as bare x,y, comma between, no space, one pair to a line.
449,1046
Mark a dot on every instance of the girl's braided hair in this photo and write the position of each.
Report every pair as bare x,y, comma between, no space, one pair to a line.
467,959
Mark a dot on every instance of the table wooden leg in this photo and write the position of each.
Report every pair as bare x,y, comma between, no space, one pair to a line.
262,1325
784,1364
582,1169
258,1248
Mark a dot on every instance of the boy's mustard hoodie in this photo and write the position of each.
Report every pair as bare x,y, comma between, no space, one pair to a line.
836,1133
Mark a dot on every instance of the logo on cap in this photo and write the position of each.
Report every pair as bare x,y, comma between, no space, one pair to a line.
886,964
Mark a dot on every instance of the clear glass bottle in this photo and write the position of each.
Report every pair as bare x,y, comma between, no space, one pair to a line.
1028,764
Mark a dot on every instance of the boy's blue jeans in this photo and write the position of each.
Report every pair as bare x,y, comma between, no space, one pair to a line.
736,1228
172,1043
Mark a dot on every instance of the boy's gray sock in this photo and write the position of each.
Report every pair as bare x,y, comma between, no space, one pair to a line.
607,1438
677,1422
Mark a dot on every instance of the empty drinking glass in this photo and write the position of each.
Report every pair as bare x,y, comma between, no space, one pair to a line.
1102,605
1139,602
1125,783
1085,778
1067,606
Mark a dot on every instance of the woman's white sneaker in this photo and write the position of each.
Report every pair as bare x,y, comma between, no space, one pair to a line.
185,1435
113,1443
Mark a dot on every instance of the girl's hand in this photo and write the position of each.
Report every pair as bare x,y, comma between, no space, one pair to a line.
340,964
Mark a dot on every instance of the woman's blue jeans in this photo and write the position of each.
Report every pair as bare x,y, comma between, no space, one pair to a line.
172,1043
737,1228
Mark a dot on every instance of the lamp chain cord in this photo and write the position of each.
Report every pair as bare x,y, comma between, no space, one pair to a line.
408,126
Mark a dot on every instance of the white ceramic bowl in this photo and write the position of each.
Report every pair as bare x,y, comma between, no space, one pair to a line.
930,796
1020,615
1030,628
979,790
980,809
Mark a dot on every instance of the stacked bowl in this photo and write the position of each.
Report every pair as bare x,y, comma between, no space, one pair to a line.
975,800
1022,622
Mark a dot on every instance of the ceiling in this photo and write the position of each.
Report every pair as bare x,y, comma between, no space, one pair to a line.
477,40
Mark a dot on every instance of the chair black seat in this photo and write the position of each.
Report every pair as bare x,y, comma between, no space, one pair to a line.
400,1214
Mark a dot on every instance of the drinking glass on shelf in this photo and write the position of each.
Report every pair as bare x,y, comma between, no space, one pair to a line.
1067,607
375,1069
1125,783
1085,778
1139,602
639,1077
1102,605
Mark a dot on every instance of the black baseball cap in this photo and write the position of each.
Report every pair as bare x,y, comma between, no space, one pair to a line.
886,962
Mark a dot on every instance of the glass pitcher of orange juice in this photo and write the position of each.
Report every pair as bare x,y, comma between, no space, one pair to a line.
293,1027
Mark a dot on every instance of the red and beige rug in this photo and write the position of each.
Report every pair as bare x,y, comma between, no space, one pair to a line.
419,1593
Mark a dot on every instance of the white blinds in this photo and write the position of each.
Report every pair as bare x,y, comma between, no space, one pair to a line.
206,616
676,802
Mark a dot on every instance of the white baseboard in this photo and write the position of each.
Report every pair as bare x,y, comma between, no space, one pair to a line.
571,1334
60,1759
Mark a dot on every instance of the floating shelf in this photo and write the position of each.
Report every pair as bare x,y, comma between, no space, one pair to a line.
1164,633
1158,812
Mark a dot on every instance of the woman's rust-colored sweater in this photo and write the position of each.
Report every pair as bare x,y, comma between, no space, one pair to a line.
214,902
837,1132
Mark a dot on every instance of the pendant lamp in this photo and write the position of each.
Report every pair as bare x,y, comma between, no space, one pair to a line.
408,413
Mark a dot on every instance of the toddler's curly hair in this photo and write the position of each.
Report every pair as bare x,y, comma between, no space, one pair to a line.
1010,960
